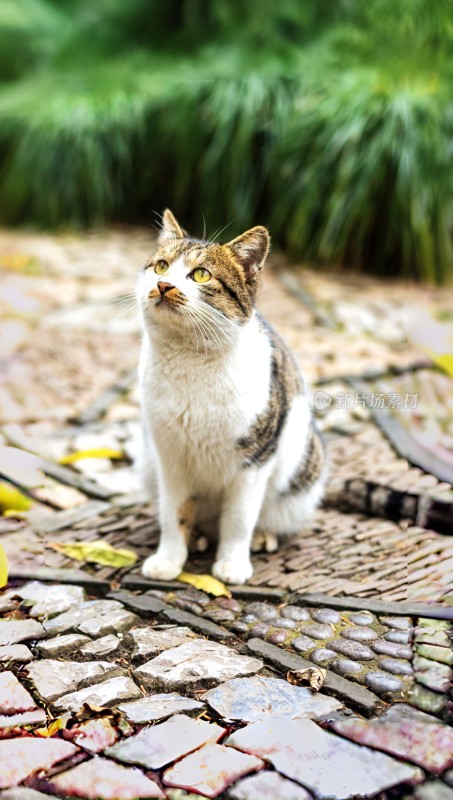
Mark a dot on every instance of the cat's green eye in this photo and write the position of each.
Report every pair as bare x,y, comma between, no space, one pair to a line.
200,275
161,266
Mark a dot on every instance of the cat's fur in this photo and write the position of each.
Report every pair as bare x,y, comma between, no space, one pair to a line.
229,443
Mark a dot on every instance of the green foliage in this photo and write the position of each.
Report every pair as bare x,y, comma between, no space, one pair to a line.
330,122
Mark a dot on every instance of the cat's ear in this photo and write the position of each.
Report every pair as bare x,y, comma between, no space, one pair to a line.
251,249
170,229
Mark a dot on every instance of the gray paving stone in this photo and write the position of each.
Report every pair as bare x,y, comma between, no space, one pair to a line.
435,790
62,645
288,624
240,627
13,631
399,623
154,747
434,637
323,656
52,678
275,637
340,687
361,617
296,613
404,732
364,604
71,620
36,717
16,652
260,629
77,577
108,693
143,604
229,603
392,649
398,637
426,700
303,644
116,621
111,781
347,667
263,611
14,698
250,699
448,777
158,706
360,633
354,650
316,630
325,615
104,646
267,785
50,600
395,666
301,750
204,626
432,674
211,769
23,756
382,683
216,614
444,655
147,642
23,793
196,665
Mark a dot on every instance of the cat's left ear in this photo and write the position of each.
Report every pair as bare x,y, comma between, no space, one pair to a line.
251,249
170,229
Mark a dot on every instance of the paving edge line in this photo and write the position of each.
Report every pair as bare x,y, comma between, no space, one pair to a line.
432,610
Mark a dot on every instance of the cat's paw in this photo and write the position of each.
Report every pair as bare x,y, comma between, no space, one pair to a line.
161,568
230,570
264,542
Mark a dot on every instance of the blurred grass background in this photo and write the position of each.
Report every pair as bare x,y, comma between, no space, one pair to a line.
330,122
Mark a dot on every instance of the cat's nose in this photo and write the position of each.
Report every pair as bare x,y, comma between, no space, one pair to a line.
164,287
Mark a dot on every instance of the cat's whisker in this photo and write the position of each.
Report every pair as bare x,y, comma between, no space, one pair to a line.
210,332
205,313
213,325
219,231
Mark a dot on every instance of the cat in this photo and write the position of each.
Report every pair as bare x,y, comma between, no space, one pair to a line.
229,444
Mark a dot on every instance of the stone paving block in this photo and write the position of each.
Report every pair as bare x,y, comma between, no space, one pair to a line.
48,601
103,779
21,757
101,647
71,620
16,652
435,790
196,665
115,621
93,735
392,649
204,626
61,645
52,678
154,747
150,642
13,631
14,698
211,769
432,674
250,699
26,718
108,693
143,604
426,700
322,762
157,706
267,785
402,731
23,793
382,683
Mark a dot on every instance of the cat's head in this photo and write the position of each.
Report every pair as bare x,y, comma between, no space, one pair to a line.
201,285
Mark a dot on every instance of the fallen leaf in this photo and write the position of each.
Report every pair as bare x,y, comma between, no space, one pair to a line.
205,583
96,452
55,726
97,552
3,567
314,675
12,499
90,711
19,262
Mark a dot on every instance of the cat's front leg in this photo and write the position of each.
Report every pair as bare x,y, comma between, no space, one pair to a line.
241,508
176,512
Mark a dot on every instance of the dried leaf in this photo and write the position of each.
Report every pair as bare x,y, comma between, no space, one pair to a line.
55,726
12,499
98,552
90,711
315,676
96,452
205,583
3,567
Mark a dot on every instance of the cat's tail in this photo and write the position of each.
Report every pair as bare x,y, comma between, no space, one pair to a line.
379,500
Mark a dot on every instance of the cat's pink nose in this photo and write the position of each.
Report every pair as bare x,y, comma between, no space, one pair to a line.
164,287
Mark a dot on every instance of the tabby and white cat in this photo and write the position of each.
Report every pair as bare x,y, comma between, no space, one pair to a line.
229,444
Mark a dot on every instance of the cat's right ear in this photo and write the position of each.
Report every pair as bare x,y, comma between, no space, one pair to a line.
170,229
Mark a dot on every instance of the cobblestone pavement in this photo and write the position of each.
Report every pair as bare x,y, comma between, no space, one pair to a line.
115,687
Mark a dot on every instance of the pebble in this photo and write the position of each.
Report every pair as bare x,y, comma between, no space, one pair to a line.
303,644
398,637
399,623
327,616
444,655
296,613
108,693
192,595
426,700
354,650
249,618
157,706
211,769
316,630
52,678
361,618
13,631
218,614
230,604
62,645
346,667
395,667
239,627
381,683
267,785
259,629
155,746
187,605
264,611
101,647
359,634
288,624
276,637
16,652
323,655
392,649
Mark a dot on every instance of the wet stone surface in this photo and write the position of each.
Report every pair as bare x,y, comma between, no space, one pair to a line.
382,683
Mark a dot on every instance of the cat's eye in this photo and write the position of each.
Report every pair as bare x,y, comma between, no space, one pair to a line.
161,266
200,275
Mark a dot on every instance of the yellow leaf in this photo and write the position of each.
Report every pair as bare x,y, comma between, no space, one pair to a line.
3,567
11,498
445,362
205,583
57,725
98,552
96,452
